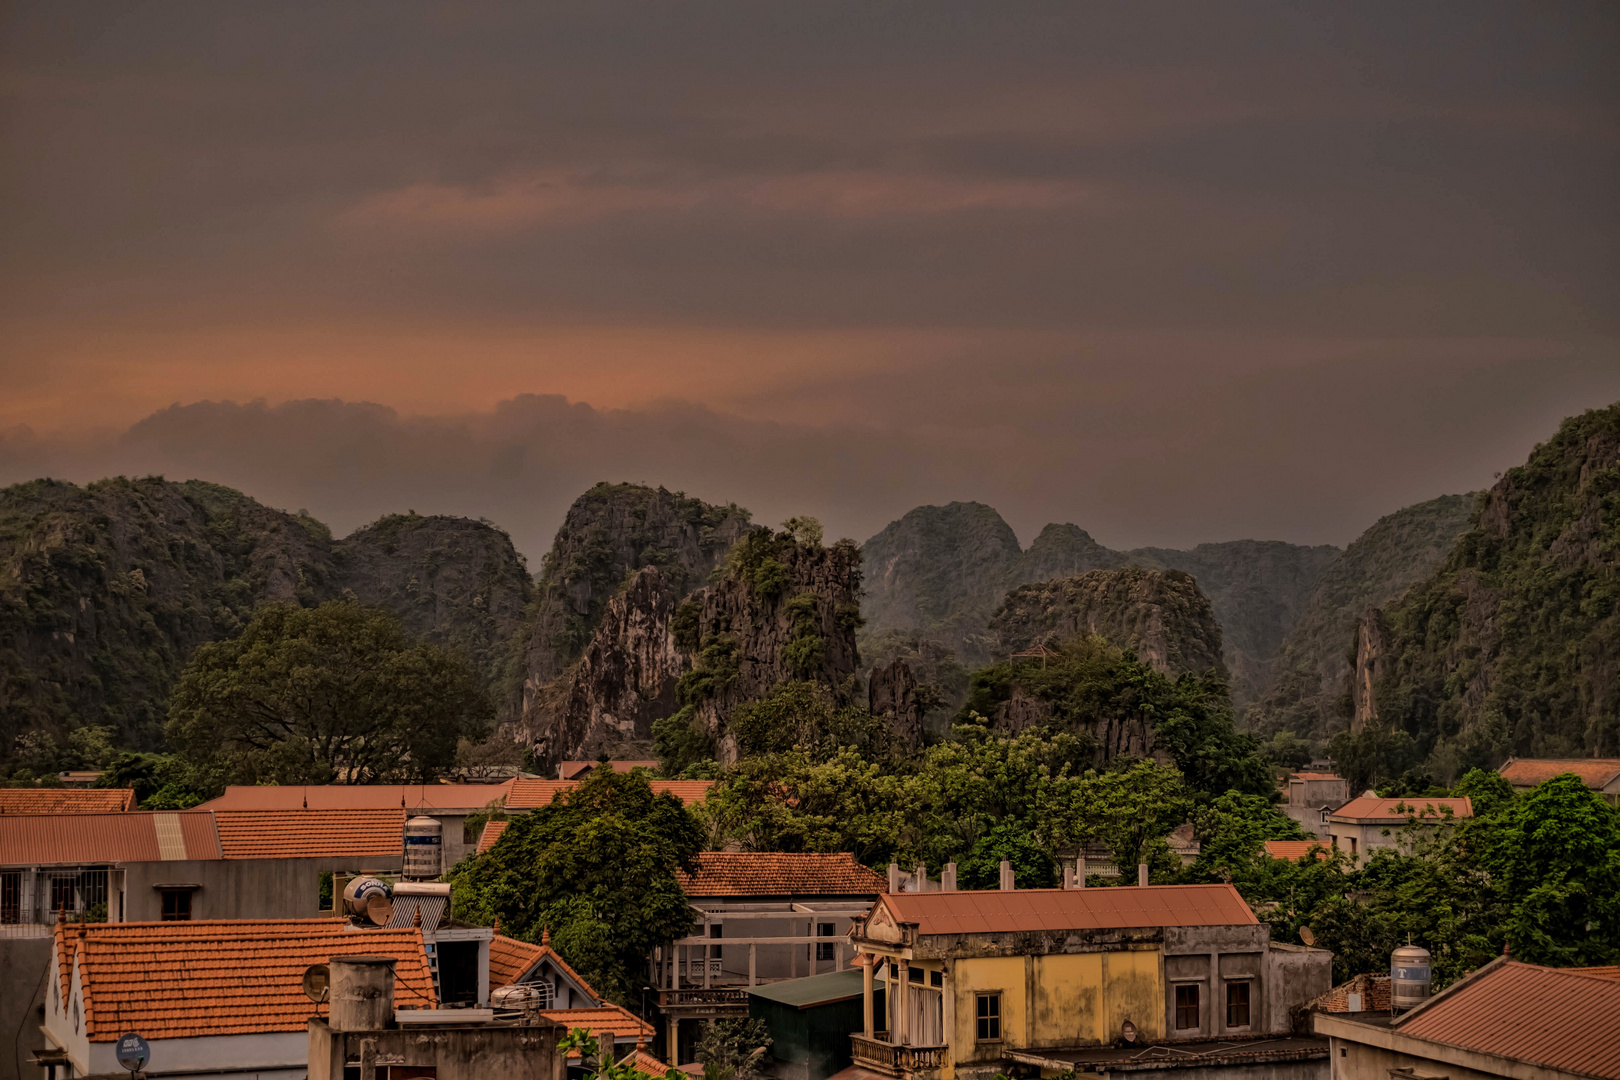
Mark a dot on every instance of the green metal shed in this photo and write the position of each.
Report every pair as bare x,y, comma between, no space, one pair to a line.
811,1020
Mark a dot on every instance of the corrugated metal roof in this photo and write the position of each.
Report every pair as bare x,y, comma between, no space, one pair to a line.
814,989
1013,910
82,839
172,980
528,794
66,800
442,798
1559,1018
311,834
1372,808
1595,773
776,873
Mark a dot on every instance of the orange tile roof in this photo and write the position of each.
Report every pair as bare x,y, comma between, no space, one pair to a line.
413,797
1608,972
510,958
571,770
639,1058
528,794
776,873
1295,849
492,832
80,839
1314,776
1595,773
608,1020
994,911
66,800
229,977
311,834
1552,1017
1372,808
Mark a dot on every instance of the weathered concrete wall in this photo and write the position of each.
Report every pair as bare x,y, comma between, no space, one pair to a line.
1362,1062
456,1052
24,970
238,888
1295,976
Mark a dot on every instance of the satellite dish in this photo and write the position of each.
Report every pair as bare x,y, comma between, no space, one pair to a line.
379,909
1307,935
133,1052
317,982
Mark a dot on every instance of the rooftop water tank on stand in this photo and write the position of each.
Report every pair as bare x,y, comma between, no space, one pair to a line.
368,898
1408,977
424,848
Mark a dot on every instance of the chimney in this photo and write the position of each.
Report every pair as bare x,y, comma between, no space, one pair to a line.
894,877
922,877
947,878
1141,873
362,994
1080,872
1007,884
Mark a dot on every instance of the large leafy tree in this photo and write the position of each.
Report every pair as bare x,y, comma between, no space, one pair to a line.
597,868
316,695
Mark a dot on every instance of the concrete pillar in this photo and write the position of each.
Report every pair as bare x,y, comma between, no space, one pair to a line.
947,879
751,953
1007,883
1080,872
894,877
1141,873
922,877
866,986
902,1011
1068,875
362,994
672,1039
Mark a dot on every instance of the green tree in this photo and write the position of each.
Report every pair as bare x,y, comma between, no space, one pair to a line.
597,867
1232,831
733,1049
335,693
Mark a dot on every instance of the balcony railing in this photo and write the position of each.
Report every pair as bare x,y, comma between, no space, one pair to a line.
897,1061
700,998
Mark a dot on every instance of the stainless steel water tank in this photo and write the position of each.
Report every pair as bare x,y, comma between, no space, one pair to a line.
1409,977
359,892
424,848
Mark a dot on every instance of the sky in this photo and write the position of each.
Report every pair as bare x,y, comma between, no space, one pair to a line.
1173,272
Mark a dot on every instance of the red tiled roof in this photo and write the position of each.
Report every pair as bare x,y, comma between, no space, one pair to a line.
412,797
185,979
134,836
1559,1019
66,800
775,873
641,1059
571,770
1315,776
1595,773
1372,808
994,911
311,834
528,794
492,832
1608,972
510,958
1295,849
607,1020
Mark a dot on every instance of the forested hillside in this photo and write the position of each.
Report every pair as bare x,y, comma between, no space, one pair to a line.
1513,645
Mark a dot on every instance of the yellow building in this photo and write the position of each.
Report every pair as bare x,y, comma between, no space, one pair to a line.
978,983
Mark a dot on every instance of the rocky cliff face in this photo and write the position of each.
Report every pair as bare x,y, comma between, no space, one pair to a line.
1160,615
1311,674
610,532
781,610
942,571
1513,645
892,694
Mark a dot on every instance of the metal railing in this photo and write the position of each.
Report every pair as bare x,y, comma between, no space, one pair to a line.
886,1057
698,997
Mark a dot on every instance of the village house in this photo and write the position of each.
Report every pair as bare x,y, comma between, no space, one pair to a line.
1052,980
30,800
759,917
1508,1020
1312,796
576,770
561,995
1362,826
1601,775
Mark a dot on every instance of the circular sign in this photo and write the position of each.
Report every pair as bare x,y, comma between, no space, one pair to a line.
133,1053
317,982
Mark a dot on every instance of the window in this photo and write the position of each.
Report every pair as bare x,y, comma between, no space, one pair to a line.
989,1017
1237,1004
936,978
176,905
714,935
1187,1007
11,896
62,893
1352,847
824,949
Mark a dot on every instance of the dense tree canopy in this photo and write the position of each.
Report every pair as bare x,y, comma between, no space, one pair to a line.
597,868
335,693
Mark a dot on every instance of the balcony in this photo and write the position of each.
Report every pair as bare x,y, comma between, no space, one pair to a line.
705,1001
897,1061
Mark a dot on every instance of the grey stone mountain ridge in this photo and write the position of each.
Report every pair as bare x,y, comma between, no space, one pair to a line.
942,571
